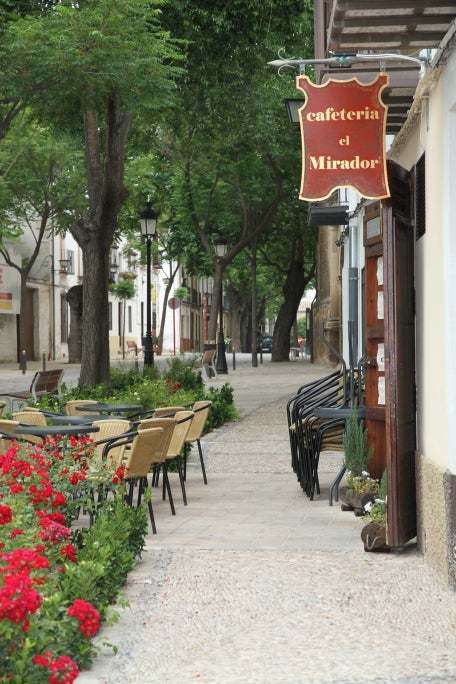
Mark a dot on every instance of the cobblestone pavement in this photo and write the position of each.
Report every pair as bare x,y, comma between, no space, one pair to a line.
254,584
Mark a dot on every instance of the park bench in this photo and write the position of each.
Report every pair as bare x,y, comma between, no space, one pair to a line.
132,348
43,383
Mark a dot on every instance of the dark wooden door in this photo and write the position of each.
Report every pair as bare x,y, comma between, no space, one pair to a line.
398,242
374,338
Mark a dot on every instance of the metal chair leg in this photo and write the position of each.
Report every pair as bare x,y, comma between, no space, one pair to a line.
202,461
164,482
168,487
140,491
182,483
151,511
185,467
334,488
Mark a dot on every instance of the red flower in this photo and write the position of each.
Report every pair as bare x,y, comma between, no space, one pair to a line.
64,670
16,488
68,551
118,475
78,476
53,531
18,599
15,533
88,616
23,560
55,517
58,500
6,514
43,660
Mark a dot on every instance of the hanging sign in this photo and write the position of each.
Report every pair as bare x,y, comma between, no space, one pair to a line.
343,127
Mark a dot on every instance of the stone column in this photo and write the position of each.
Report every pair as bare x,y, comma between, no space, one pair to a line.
327,307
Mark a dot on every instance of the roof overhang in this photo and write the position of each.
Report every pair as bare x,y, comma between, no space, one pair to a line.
388,25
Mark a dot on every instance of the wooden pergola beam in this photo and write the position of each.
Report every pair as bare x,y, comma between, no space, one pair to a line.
351,5
431,39
409,20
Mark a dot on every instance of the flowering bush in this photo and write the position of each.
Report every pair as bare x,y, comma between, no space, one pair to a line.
54,590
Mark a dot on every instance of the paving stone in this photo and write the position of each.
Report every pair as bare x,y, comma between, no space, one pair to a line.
254,584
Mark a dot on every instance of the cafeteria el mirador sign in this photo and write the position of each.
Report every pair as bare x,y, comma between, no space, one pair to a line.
343,127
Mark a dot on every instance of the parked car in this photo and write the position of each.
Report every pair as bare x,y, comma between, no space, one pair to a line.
265,343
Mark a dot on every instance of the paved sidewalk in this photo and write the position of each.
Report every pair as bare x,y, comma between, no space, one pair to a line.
254,584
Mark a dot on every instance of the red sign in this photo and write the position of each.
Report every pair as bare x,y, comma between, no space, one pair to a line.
174,303
343,126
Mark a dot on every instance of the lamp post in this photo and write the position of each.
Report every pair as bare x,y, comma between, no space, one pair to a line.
148,219
221,247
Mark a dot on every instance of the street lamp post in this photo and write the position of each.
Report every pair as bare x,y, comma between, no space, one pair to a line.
148,219
221,366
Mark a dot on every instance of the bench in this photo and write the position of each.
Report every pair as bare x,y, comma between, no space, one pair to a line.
133,348
43,383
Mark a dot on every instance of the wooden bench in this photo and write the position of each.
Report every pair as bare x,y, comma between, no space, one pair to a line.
43,382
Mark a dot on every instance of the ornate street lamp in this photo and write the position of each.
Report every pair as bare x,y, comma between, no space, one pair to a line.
148,220
221,248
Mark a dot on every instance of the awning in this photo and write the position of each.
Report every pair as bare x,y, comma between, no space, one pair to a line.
389,25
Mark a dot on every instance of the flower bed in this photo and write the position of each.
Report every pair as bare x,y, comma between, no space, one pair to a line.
56,582
180,385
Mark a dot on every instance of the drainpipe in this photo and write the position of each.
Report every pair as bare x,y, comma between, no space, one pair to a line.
353,277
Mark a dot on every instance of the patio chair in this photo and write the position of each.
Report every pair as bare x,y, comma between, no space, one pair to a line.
167,425
110,430
146,450
31,418
7,435
71,407
201,413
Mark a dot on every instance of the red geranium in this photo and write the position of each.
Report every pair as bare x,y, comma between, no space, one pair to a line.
68,551
63,670
18,599
119,475
6,514
58,500
88,616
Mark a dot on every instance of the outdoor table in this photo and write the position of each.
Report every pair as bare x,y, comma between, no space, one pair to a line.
109,408
336,413
76,420
44,431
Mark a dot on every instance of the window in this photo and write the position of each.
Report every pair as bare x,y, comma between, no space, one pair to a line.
110,315
63,318
420,197
130,320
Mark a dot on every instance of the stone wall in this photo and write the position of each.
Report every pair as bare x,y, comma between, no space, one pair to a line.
436,508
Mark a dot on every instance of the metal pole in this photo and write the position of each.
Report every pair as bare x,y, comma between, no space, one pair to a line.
174,332
254,309
221,365
148,346
234,360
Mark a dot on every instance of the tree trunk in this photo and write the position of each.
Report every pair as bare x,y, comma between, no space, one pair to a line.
74,299
293,290
95,329
22,333
246,328
219,268
172,275
123,328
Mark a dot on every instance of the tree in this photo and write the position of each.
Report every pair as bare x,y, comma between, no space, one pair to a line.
124,290
104,65
228,141
33,195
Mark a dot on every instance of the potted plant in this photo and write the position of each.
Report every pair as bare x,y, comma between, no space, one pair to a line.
374,533
360,486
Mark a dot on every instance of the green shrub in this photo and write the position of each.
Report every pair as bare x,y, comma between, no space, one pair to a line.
357,451
183,372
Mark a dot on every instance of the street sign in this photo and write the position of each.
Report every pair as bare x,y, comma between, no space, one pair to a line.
343,128
174,303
